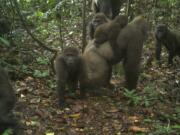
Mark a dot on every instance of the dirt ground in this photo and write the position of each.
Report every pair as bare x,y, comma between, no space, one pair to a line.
152,109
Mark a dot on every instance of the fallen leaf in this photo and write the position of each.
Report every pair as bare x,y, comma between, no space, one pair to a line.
137,129
113,110
134,118
49,133
76,115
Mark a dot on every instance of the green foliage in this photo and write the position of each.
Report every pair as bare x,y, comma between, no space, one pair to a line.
25,69
149,96
41,74
42,61
4,42
165,129
147,120
118,69
51,83
8,132
161,128
177,110
176,127
133,97
166,9
146,98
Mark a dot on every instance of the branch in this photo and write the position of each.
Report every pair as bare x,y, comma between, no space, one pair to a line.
28,31
33,37
84,26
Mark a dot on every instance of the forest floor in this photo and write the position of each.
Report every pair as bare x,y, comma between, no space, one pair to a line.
154,108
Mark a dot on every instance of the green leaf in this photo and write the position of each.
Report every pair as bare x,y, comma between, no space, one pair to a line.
41,74
8,131
176,127
50,133
4,42
42,61
39,14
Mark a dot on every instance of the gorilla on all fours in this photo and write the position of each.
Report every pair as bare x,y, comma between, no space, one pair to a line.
168,38
68,67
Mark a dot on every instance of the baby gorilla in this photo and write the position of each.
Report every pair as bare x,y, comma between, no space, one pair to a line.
169,39
109,31
7,102
68,68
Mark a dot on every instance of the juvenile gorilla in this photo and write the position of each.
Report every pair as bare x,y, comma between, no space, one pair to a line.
109,31
97,20
68,68
169,39
7,102
129,48
110,8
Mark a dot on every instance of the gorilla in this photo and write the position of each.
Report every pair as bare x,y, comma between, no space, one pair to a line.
168,38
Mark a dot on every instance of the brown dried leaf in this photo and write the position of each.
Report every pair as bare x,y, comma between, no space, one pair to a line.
137,129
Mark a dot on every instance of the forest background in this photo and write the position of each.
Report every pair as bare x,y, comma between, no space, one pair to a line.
35,29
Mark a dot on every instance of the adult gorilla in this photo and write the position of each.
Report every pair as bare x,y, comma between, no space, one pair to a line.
97,68
110,8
